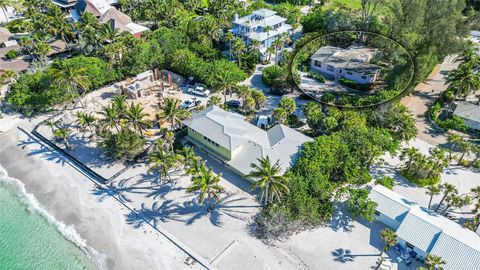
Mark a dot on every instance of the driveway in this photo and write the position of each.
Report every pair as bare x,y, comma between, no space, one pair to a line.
423,96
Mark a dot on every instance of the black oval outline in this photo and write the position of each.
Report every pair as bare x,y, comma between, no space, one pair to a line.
354,107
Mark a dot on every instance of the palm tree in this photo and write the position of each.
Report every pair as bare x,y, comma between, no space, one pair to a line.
269,179
454,200
189,159
259,97
476,150
111,118
108,33
389,238
432,190
172,112
58,26
206,183
63,133
169,139
465,79
277,43
194,167
453,140
434,262
72,78
86,120
162,162
120,104
280,115
214,100
51,124
224,82
228,37
254,44
465,149
238,49
410,154
136,118
447,189
3,6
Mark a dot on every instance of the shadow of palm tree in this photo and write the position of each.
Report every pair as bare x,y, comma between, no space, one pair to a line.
159,212
341,219
342,255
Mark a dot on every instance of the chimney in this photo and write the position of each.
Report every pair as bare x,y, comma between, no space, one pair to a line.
235,17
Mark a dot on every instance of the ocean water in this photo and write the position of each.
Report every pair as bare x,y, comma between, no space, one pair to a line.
30,238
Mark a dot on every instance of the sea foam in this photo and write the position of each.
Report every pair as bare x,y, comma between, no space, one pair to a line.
69,232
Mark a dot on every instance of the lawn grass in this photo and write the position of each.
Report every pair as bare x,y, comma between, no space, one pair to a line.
353,4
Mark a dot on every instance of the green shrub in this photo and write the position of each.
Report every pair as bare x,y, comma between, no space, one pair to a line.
355,85
316,76
453,122
386,181
33,93
275,77
11,54
420,181
123,145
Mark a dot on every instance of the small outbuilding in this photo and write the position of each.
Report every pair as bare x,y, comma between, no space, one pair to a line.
469,112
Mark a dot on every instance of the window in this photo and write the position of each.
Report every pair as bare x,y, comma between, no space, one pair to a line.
377,213
318,63
409,245
210,141
340,71
330,68
364,77
349,73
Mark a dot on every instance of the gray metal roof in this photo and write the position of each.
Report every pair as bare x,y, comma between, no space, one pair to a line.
264,12
467,258
355,58
418,231
433,233
232,132
467,110
390,203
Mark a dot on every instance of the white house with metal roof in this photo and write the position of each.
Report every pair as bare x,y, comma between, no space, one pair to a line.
238,143
425,232
469,112
352,63
254,26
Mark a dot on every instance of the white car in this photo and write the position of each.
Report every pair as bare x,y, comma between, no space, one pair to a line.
187,104
264,121
199,89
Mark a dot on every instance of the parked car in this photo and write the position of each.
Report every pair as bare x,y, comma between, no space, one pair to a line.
199,89
188,104
264,121
233,103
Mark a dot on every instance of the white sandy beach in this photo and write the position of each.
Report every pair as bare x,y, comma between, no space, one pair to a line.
67,194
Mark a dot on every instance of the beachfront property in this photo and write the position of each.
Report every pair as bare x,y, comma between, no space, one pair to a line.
469,112
255,25
106,13
351,63
421,231
237,143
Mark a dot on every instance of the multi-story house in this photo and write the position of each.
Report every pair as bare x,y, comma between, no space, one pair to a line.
352,63
263,26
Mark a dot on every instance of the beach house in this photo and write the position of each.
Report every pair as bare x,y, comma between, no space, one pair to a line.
351,63
106,13
262,25
469,112
421,231
237,143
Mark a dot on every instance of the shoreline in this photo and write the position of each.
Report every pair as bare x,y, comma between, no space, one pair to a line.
70,198
68,232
